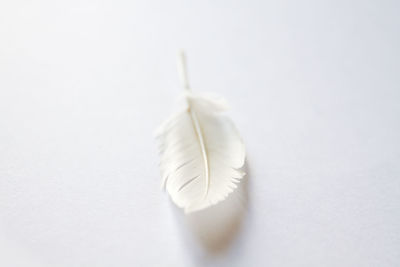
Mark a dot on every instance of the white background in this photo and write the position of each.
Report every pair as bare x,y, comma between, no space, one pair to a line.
315,92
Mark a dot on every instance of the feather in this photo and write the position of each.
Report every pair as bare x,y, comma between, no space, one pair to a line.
201,151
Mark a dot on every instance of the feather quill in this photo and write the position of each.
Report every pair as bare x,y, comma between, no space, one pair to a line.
201,151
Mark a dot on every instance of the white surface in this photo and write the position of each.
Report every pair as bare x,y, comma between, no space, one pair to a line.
314,87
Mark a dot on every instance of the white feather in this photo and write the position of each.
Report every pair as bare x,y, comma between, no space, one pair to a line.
201,153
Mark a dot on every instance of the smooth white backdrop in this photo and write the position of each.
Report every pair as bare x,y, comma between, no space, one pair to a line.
315,91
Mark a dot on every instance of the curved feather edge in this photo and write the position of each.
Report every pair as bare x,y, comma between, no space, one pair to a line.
201,153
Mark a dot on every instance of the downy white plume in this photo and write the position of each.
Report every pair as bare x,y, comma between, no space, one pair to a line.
201,151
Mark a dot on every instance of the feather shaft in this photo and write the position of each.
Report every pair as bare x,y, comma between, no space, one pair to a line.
199,134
